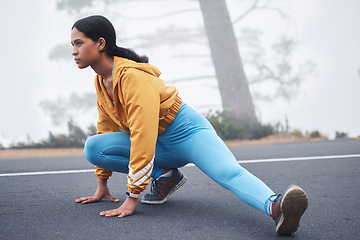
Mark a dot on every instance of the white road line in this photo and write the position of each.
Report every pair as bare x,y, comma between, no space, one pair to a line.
46,172
292,159
191,164
299,158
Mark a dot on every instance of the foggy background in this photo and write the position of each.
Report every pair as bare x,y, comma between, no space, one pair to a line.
37,70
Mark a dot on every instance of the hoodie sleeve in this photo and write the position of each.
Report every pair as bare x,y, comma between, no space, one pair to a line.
104,124
142,106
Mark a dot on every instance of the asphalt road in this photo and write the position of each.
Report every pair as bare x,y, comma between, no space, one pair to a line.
41,206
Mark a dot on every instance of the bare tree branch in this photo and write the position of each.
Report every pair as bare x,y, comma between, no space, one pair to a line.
254,6
174,35
281,13
192,56
190,79
169,14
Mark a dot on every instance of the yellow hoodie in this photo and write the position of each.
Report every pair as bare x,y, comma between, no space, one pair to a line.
143,106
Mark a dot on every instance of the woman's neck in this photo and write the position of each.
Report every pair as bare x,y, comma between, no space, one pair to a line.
104,67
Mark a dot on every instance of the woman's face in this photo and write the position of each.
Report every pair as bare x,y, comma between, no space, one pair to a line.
85,51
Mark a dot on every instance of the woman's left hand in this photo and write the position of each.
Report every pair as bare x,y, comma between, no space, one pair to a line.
126,209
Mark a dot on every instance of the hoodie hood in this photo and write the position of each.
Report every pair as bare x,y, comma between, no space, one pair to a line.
126,63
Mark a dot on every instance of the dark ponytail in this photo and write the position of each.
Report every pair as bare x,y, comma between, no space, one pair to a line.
129,54
95,27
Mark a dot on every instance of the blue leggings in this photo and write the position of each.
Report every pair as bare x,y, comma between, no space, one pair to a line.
189,139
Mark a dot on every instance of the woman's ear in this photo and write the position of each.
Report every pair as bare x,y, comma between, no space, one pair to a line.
102,44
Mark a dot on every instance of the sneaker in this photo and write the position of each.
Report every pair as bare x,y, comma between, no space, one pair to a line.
163,187
287,210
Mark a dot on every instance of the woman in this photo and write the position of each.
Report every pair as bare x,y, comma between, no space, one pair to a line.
147,132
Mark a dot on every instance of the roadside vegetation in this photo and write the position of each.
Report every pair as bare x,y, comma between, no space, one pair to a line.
225,128
229,130
74,138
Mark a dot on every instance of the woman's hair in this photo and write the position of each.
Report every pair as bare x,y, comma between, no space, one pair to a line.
95,27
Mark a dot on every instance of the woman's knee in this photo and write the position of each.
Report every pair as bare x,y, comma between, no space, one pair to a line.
98,147
91,150
235,172
228,174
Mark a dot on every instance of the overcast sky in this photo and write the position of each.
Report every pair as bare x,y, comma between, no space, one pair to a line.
327,30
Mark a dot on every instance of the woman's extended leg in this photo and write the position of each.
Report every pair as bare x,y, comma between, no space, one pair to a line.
193,139
210,155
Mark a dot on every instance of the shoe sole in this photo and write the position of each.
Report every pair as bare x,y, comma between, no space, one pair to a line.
176,187
293,206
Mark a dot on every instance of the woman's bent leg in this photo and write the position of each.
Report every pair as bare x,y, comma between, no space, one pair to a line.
111,151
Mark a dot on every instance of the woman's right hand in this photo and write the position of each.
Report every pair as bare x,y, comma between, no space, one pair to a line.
102,191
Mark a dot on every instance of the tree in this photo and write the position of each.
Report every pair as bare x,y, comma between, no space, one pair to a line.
62,109
229,70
